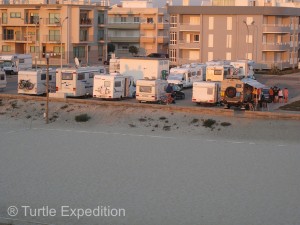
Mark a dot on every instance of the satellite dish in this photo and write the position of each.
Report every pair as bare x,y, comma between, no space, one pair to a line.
77,62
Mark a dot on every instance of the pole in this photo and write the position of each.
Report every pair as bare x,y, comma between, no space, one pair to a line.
47,90
247,39
61,51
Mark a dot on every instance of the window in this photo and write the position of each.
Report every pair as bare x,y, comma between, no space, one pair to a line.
54,35
106,83
56,50
136,19
210,56
100,18
123,19
173,38
173,21
34,49
211,23
8,34
6,48
67,76
15,15
229,23
150,20
228,55
50,77
173,55
79,52
210,40
4,18
249,38
147,89
43,76
83,35
217,72
91,75
102,70
196,37
194,20
80,76
21,60
54,18
117,83
2,77
228,41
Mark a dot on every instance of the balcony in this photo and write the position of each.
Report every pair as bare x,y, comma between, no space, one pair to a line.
279,64
189,27
52,22
82,39
147,39
86,22
268,46
124,25
162,39
132,39
17,38
188,45
187,61
51,38
147,26
162,26
276,28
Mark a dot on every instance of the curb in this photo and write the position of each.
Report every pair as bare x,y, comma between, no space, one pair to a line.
171,108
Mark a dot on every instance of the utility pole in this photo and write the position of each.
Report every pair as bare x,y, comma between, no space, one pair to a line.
47,90
247,39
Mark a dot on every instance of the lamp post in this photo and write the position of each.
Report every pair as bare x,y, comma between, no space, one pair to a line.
36,21
26,33
61,23
256,30
247,39
47,89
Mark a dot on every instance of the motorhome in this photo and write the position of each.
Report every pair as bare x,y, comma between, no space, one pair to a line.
12,64
218,70
144,67
206,92
185,75
3,82
76,82
244,68
33,82
113,86
150,90
114,65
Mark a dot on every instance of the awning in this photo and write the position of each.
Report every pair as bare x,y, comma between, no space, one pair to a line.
253,83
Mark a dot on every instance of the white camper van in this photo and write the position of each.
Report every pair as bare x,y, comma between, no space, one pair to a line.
144,68
113,86
244,68
206,92
33,82
150,90
75,82
12,64
3,81
185,75
218,70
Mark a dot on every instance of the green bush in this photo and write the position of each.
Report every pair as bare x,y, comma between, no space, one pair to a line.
208,123
82,118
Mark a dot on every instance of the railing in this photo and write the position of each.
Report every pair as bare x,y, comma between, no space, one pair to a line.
86,21
187,61
51,38
279,64
275,46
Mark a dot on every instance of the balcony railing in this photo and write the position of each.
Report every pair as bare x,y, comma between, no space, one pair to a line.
185,45
52,21
86,21
162,39
124,38
270,46
52,38
123,25
279,64
189,27
148,26
276,28
187,61
147,39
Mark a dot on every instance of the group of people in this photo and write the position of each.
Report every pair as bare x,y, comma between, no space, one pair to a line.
278,95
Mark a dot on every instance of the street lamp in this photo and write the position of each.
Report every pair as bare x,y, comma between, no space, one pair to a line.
247,39
26,21
36,21
256,30
61,23
47,89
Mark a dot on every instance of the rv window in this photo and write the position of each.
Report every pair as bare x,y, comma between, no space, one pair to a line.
238,85
199,72
210,91
91,75
147,89
67,76
50,77
2,77
43,76
226,72
80,76
217,72
117,83
106,83
21,61
102,70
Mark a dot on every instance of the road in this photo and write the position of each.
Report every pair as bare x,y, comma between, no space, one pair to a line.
178,179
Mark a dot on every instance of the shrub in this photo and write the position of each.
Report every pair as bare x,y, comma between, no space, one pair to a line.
225,124
208,123
82,118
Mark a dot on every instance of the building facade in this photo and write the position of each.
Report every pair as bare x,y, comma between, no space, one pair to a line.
64,29
267,35
137,23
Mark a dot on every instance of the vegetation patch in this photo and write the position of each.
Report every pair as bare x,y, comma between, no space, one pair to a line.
294,106
64,107
131,125
142,119
14,105
162,118
208,123
225,124
28,117
194,121
82,118
166,128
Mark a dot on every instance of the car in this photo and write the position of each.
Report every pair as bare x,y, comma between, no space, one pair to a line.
178,93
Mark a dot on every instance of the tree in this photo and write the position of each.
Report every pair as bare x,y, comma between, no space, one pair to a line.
133,50
111,47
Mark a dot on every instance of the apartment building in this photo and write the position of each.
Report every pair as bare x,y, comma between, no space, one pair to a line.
63,28
137,23
268,34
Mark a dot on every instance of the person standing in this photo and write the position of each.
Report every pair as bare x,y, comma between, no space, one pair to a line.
271,94
275,90
286,95
280,95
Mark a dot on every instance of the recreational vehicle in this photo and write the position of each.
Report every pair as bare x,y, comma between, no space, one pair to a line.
76,82
150,90
144,68
33,82
244,68
206,92
12,64
113,86
185,75
218,71
3,81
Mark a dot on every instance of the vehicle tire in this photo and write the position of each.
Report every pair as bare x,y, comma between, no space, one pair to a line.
230,92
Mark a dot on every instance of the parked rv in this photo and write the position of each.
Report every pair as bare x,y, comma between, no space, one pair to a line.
33,82
75,82
12,64
3,81
150,90
244,68
187,74
218,70
114,65
144,68
113,86
206,92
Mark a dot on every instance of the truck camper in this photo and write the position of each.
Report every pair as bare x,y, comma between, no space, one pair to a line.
12,64
150,90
